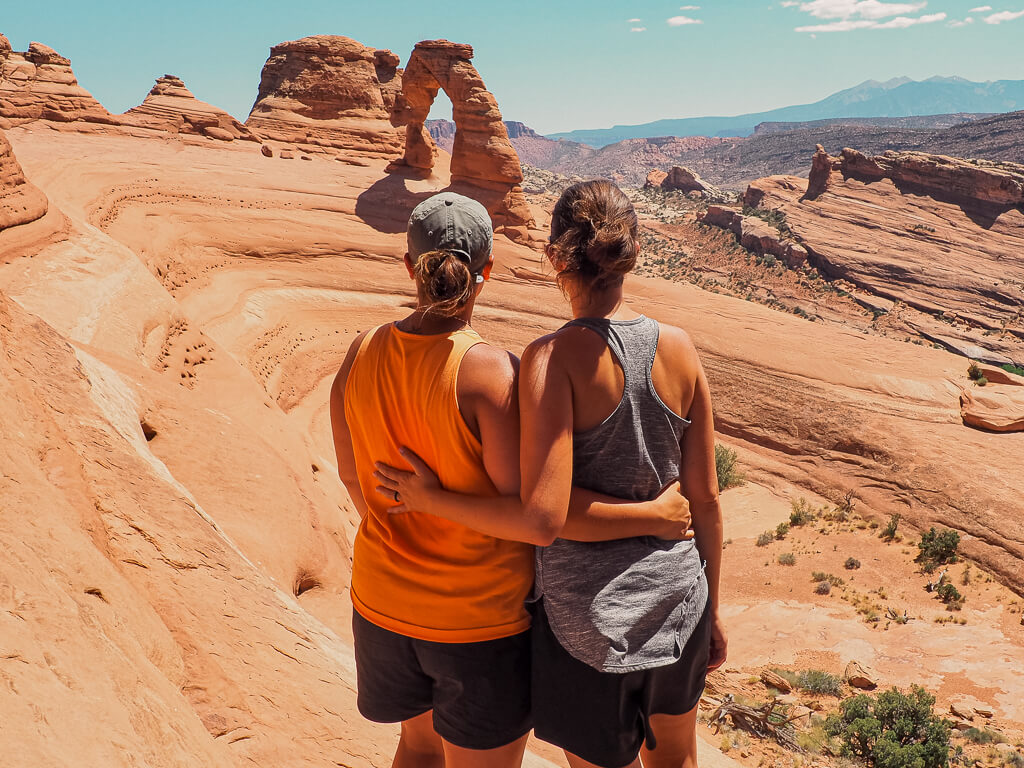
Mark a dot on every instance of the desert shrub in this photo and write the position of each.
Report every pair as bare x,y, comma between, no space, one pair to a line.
1014,760
983,736
781,530
801,513
822,588
981,381
835,581
816,681
894,730
787,558
725,466
937,548
1011,368
851,564
765,539
951,596
889,532
974,371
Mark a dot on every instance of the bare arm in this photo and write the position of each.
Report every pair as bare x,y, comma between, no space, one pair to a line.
340,430
593,516
700,486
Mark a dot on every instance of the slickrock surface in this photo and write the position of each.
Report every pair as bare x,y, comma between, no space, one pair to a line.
331,94
170,106
40,85
942,235
172,504
20,202
482,156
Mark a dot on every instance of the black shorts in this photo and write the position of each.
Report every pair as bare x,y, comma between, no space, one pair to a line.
479,692
603,716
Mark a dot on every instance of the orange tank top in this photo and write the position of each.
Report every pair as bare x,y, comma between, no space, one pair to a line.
417,574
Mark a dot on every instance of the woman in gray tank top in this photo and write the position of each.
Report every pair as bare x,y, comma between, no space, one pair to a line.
624,630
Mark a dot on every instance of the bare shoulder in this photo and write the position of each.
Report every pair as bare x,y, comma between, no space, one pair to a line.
563,348
677,345
488,371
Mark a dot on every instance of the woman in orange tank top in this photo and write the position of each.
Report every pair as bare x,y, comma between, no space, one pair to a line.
440,628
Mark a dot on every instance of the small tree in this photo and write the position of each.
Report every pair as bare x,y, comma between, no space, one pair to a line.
725,466
896,730
937,548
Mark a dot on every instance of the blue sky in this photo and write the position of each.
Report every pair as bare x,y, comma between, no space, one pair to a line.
553,65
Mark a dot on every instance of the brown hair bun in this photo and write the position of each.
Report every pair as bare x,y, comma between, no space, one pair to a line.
445,280
594,232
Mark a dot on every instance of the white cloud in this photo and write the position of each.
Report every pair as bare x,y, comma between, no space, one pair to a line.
864,9
638,29
689,7
963,23
789,3
679,21
635,21
999,18
980,9
848,25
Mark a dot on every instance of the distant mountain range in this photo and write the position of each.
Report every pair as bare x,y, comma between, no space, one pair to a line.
899,97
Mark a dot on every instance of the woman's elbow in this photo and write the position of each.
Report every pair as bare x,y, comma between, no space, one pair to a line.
543,527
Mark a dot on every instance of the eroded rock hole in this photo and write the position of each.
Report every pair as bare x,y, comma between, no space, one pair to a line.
305,582
147,430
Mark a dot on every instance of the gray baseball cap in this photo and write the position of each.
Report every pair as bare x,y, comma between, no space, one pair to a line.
451,222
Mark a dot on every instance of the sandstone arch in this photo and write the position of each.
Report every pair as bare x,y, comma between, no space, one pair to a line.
483,158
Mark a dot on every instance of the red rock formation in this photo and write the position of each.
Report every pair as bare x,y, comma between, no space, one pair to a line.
996,407
684,180
483,163
20,202
40,85
756,234
330,92
654,178
170,106
822,165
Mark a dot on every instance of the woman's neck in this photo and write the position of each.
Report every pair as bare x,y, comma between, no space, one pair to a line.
428,323
607,302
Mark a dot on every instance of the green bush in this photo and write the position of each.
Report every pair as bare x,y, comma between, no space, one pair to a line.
981,381
983,736
781,530
765,539
951,596
823,588
802,513
835,581
725,466
851,564
787,558
937,548
974,371
889,532
896,730
1011,368
816,681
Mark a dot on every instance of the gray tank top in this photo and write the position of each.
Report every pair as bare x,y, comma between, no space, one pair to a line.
626,604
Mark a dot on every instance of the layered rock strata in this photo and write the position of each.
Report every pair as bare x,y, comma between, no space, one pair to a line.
20,202
170,106
330,93
484,163
941,235
996,407
39,84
